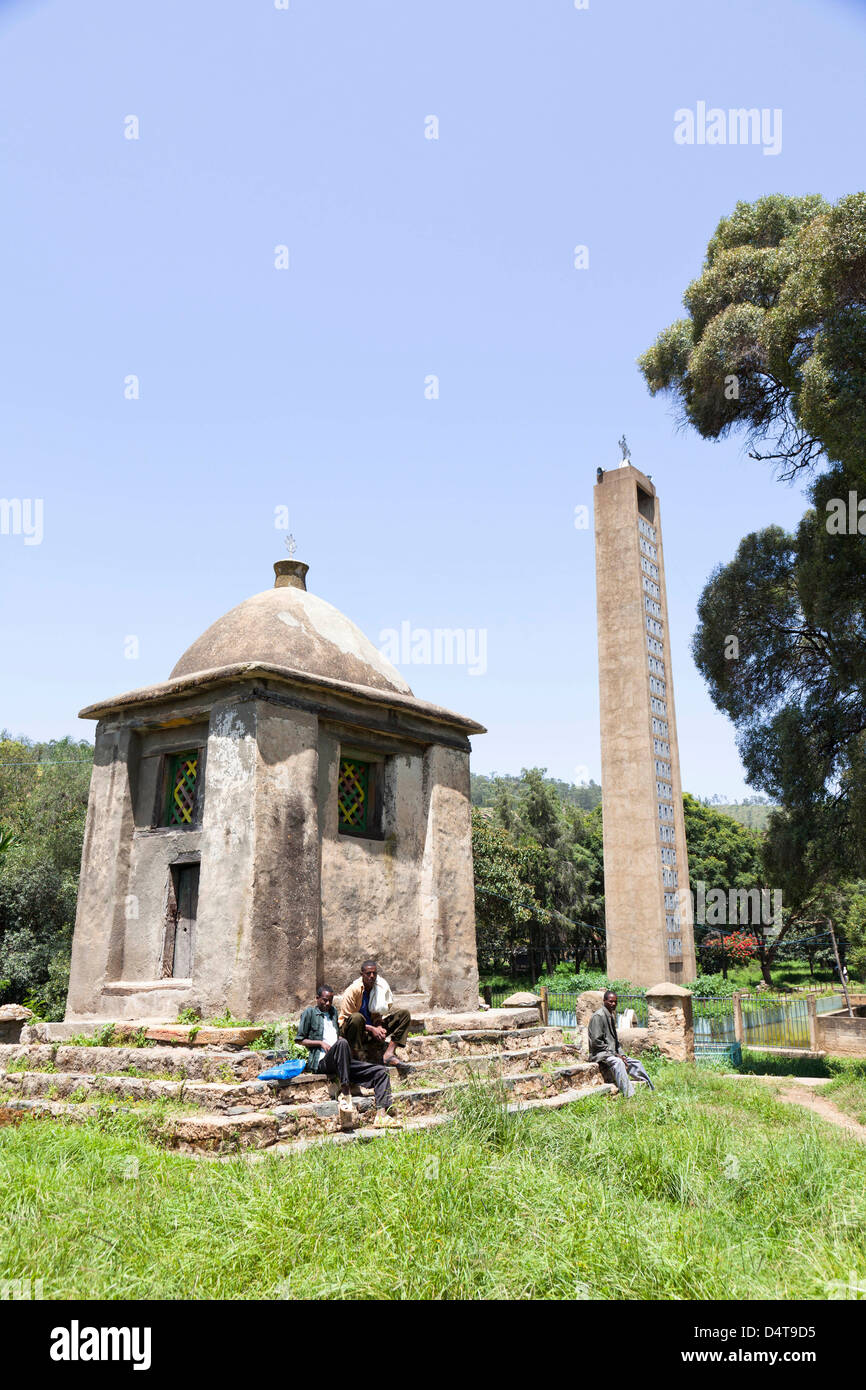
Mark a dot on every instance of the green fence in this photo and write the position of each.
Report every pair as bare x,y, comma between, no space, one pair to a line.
769,1020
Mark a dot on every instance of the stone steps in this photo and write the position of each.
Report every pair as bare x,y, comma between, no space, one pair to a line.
263,1095
487,1019
225,1143
486,1064
218,1082
167,1062
478,1041
215,1105
424,1019
253,1115
221,1132
178,1063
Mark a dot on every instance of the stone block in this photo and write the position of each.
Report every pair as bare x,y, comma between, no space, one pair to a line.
669,1018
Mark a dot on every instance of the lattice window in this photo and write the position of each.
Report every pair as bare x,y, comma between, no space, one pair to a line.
353,795
180,799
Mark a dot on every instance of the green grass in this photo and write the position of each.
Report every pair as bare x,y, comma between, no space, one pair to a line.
847,1085
849,1094
789,974
707,1189
772,1064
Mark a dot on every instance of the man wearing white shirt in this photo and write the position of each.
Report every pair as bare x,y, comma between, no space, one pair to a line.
368,1017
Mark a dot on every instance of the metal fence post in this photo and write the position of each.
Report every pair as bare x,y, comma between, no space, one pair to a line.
738,1019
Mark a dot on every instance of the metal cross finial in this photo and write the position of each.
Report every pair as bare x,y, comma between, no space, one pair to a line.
291,545
626,451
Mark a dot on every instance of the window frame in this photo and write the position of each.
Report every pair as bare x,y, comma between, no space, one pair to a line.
374,765
170,759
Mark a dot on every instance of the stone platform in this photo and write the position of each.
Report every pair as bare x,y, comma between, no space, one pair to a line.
207,1100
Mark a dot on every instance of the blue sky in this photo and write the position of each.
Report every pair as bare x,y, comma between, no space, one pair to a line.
408,257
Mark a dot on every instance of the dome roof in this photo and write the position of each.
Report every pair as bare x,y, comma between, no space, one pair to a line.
286,626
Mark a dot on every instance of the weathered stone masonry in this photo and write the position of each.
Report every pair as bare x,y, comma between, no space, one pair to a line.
266,889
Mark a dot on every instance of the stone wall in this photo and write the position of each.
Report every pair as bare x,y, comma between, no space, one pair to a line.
449,962
284,900
371,888
841,1035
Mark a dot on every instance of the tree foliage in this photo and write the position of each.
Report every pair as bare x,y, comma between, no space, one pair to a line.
775,343
796,688
562,864
43,802
775,338
486,789
722,853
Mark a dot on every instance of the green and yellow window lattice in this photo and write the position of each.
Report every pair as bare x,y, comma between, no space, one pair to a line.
181,788
353,794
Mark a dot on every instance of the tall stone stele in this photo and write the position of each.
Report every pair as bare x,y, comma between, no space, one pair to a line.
277,811
648,910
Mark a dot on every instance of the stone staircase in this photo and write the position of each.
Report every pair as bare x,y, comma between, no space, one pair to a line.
207,1099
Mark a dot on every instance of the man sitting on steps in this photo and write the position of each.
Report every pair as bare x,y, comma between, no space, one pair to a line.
604,1048
330,1055
368,1018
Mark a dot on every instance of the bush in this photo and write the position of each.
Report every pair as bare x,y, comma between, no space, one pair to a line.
714,987
565,980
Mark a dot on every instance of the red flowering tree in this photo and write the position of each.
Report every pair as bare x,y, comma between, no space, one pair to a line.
737,948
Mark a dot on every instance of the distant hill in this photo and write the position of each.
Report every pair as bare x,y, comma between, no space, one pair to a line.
484,790
752,813
755,817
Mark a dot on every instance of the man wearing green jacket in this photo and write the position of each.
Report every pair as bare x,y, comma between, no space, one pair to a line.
318,1032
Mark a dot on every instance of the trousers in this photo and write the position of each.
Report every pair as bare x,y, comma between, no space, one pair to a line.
620,1070
340,1062
396,1025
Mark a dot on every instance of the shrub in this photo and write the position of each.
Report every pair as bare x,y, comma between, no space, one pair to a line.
714,986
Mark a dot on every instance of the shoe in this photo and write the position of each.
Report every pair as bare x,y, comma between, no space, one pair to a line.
345,1113
386,1121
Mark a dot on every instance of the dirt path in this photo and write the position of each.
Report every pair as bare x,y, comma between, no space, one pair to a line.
803,1095
801,1090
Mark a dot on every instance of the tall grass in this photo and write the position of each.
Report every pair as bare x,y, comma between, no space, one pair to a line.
708,1189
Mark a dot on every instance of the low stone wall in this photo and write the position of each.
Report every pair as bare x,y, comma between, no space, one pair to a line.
844,1036
13,1018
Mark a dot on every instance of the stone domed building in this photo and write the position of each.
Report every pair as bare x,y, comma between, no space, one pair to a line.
279,809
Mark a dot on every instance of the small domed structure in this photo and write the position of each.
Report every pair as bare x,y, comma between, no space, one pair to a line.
287,626
278,810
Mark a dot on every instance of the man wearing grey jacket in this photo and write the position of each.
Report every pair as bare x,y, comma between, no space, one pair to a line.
604,1048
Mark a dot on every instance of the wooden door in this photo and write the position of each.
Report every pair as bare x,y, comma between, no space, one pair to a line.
185,886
